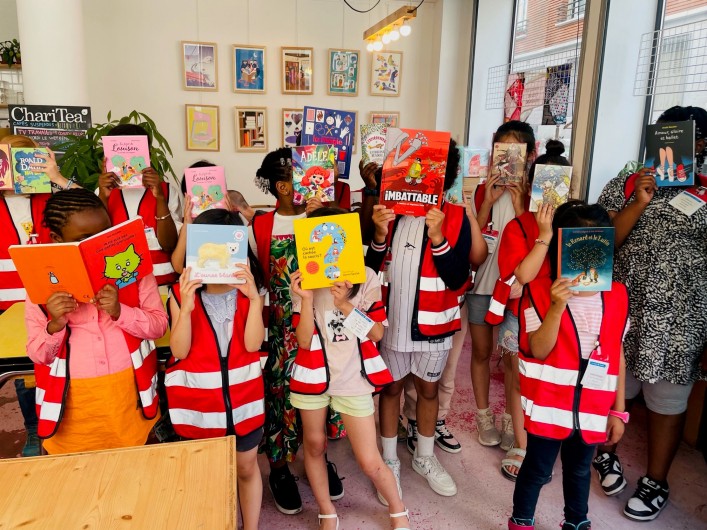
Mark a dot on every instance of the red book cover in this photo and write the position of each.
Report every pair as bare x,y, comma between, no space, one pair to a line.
413,171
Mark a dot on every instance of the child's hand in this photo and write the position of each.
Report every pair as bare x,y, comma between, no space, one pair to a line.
645,185
614,430
560,293
49,166
153,182
382,217
248,288
107,182
544,217
491,192
368,174
107,300
188,205
518,193
340,291
434,220
58,306
313,204
296,286
187,288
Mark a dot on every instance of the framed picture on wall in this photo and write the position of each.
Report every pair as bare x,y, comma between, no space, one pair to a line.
248,68
199,66
297,70
291,126
203,128
343,72
251,129
391,119
386,72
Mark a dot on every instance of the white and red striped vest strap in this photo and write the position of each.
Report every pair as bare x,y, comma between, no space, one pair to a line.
499,300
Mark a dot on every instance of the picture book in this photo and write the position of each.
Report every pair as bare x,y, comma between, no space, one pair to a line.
6,182
586,256
670,149
413,171
213,251
331,127
474,162
455,194
127,157
118,256
373,142
26,180
207,188
508,162
329,249
551,185
313,172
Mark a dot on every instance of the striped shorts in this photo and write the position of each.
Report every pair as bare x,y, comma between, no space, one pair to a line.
427,365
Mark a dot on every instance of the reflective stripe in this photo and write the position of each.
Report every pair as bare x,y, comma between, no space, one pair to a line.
39,396
431,318
496,307
7,265
434,284
560,376
12,295
143,350
58,368
50,411
550,415
592,422
374,365
162,269
249,410
204,420
309,376
316,343
147,397
212,380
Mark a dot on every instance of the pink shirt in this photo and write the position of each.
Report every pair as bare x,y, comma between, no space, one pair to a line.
97,342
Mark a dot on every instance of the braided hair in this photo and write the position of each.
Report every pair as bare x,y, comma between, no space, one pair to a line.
63,204
276,167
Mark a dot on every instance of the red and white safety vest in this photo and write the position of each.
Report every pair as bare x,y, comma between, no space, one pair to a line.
53,380
554,401
11,289
147,209
209,395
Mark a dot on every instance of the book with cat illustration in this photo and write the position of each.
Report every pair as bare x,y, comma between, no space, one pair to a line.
329,249
335,127
26,179
127,157
373,142
213,251
508,162
313,172
586,256
670,149
207,188
551,185
6,182
118,256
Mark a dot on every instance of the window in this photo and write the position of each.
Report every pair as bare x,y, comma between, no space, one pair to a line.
522,18
575,8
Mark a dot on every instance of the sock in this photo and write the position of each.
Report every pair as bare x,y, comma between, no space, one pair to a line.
390,448
278,472
425,445
484,411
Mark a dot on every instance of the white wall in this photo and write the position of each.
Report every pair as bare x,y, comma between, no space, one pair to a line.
8,20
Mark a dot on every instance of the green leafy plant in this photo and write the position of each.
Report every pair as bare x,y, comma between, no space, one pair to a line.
10,52
83,155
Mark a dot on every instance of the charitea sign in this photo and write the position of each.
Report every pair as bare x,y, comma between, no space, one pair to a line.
49,125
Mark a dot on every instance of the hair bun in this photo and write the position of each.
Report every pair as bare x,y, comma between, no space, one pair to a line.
554,148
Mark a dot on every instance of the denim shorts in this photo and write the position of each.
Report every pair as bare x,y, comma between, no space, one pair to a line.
478,305
508,332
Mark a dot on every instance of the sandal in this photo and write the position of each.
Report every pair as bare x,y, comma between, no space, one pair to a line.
509,462
329,516
401,514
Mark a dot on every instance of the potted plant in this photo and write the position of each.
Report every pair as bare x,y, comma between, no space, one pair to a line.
10,52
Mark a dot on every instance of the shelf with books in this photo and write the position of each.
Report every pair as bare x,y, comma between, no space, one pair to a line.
251,129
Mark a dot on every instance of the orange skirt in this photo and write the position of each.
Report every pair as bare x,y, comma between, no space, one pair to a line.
101,413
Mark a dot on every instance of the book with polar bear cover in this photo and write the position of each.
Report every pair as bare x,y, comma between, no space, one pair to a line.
213,251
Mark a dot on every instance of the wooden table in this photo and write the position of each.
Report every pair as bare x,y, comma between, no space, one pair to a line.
190,485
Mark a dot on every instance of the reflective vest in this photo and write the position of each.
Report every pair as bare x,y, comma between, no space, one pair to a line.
554,401
209,395
147,209
310,369
53,380
262,231
11,289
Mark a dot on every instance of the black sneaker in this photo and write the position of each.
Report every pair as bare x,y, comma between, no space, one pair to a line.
412,436
336,487
648,500
611,474
283,486
445,439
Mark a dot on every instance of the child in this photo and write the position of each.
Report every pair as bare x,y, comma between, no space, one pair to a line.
217,330
565,411
349,385
87,400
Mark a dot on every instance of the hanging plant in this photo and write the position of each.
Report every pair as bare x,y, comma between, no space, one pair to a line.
10,52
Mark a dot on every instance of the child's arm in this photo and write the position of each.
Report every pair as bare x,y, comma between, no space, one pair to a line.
180,251
254,327
305,327
451,262
382,217
166,227
479,248
180,334
529,268
543,340
615,426
45,334
491,195
340,292
626,219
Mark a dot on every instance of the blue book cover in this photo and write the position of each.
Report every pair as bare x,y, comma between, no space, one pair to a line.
331,127
670,149
214,250
586,256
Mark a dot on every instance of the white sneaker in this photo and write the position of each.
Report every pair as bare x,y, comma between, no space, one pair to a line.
437,477
394,466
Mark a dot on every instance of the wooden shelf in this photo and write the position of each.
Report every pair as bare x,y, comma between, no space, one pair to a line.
14,67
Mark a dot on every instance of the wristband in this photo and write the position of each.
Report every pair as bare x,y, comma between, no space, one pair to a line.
69,182
623,416
370,192
541,242
162,218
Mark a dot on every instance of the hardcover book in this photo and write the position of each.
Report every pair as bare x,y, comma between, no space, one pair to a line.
329,249
127,157
586,256
413,171
26,180
474,162
670,149
331,127
455,194
373,142
207,188
118,256
313,172
551,185
213,251
508,162
6,182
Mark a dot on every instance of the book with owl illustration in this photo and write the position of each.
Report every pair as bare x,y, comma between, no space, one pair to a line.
207,188
373,142
586,256
118,256
331,127
127,157
551,185
508,162
214,251
329,249
26,179
313,172
6,182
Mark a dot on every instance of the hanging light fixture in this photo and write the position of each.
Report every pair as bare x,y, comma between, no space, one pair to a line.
394,35
378,45
369,46
386,38
405,29
390,28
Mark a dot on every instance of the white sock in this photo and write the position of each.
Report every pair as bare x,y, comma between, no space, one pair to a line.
425,445
390,448
484,412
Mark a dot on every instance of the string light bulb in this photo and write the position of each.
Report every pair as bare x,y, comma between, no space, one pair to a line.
386,38
405,29
394,35
369,46
378,45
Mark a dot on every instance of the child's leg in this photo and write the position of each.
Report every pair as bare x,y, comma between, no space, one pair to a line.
516,407
481,348
250,487
534,473
315,441
427,406
388,411
576,477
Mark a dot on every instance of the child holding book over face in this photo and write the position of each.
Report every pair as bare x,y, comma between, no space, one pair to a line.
94,361
216,332
572,378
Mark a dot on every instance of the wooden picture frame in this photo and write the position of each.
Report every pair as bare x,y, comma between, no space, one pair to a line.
199,65
297,70
249,68
289,126
391,118
386,73
344,72
203,127
251,129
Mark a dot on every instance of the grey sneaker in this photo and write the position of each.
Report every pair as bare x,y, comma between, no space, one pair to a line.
437,477
507,436
486,424
394,466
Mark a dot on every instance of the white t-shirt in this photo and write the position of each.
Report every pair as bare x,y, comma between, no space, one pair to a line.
21,213
283,225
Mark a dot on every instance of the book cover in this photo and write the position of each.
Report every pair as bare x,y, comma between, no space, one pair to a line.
670,149
331,127
586,256
313,172
455,194
127,157
551,185
6,182
329,249
118,256
214,250
26,180
474,162
508,162
373,142
207,188
413,171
